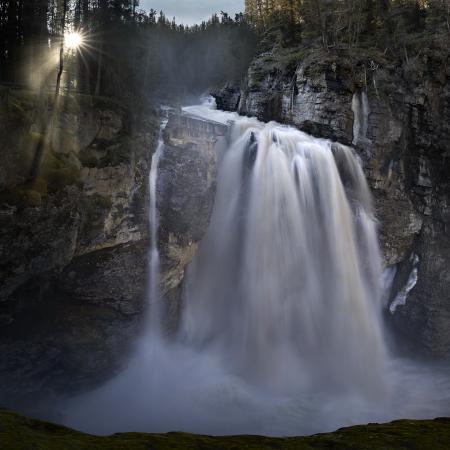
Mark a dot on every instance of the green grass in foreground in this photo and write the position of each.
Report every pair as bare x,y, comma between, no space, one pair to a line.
20,433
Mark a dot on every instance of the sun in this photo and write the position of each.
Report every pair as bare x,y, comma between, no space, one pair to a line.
73,40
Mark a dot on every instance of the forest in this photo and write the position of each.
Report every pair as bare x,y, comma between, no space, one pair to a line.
132,53
126,52
344,24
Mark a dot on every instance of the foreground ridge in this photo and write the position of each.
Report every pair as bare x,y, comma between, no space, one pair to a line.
22,433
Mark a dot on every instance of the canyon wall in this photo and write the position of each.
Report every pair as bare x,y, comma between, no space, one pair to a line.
397,117
75,238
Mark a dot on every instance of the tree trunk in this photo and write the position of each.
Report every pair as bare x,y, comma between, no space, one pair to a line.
99,71
322,27
60,69
61,48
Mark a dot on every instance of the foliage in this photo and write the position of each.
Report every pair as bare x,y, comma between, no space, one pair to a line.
396,27
19,433
128,54
102,153
21,197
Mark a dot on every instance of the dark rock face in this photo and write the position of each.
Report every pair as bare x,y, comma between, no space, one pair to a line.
186,191
398,120
227,98
74,255
73,258
77,327
317,103
25,238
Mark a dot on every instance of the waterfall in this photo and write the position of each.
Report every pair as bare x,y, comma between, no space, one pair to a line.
154,265
361,111
286,282
281,329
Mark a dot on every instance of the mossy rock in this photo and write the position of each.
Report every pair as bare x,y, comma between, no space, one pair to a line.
37,184
59,170
21,197
89,157
95,208
25,193
20,104
58,179
102,153
20,433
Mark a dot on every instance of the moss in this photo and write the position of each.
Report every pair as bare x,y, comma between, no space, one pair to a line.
58,179
290,58
26,193
95,208
20,433
39,185
99,102
59,170
118,154
89,157
21,196
101,153
20,104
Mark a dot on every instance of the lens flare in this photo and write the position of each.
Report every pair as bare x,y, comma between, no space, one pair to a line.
73,40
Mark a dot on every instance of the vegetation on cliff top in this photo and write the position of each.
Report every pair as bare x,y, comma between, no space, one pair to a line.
127,53
20,433
364,37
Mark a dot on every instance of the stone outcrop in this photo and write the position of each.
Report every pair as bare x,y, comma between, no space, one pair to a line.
228,98
186,191
397,117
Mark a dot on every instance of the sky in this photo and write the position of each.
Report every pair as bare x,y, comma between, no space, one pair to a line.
193,11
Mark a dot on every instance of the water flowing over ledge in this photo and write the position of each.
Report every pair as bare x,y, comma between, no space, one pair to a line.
281,330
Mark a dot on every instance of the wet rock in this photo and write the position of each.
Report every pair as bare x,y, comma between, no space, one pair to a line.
404,152
74,264
186,191
228,98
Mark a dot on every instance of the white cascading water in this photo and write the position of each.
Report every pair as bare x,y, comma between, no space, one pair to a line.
154,278
361,111
285,286
281,328
154,263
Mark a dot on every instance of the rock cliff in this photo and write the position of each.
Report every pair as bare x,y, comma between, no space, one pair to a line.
186,191
397,117
74,240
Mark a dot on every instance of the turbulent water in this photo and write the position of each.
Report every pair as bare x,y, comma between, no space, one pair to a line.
286,282
281,330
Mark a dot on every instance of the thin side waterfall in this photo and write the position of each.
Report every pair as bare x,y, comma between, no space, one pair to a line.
154,266
361,111
281,326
